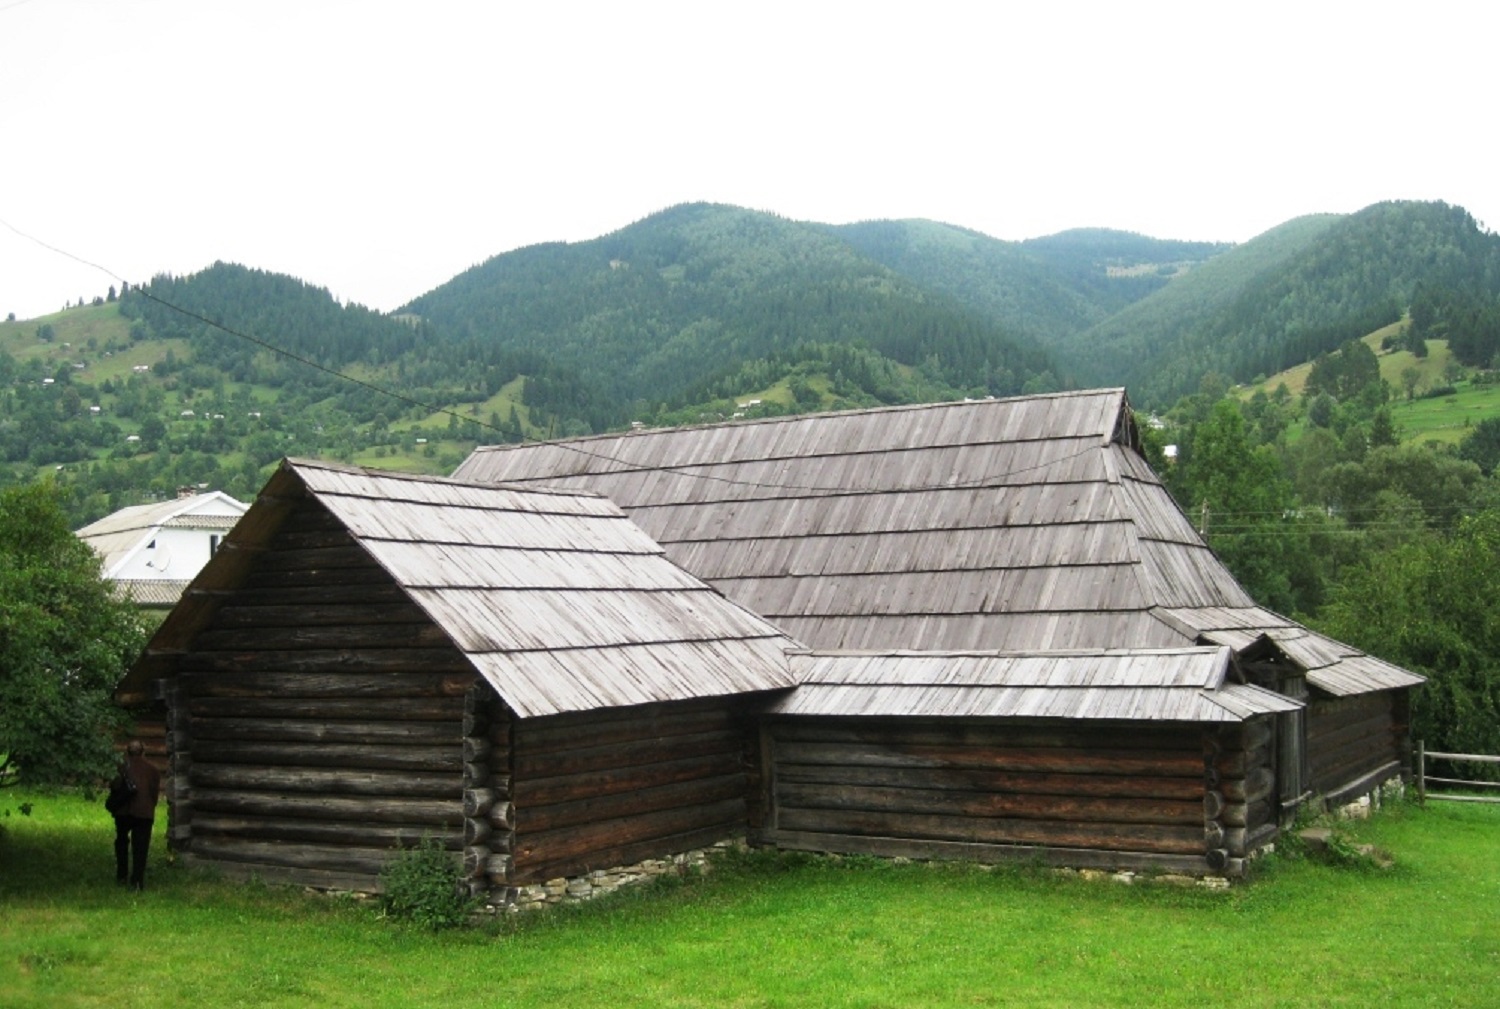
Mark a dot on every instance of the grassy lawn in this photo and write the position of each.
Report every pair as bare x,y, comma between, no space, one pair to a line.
774,931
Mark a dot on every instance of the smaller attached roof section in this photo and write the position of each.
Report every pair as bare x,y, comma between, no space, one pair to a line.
558,600
1159,685
1331,666
120,534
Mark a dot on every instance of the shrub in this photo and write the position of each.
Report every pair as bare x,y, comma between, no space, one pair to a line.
425,886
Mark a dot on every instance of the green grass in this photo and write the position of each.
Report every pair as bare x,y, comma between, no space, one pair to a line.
773,931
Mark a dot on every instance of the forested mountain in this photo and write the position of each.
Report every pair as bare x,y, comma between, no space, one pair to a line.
1298,291
703,312
654,310
1046,288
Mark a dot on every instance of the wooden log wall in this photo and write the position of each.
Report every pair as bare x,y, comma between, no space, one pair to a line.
1350,738
608,788
489,818
317,721
1239,798
1122,795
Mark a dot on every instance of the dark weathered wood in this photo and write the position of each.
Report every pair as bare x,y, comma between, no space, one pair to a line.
280,874
1238,763
536,791
1247,814
623,854
978,779
331,685
368,593
1257,783
361,809
349,660
1052,760
501,815
1125,837
476,748
988,804
325,636
578,841
1333,769
545,738
295,730
990,734
367,756
897,847
311,539
1213,804
292,830
1333,737
498,868
1364,783
477,831
371,709
330,579
583,759
303,855
499,733
284,557
1246,735
325,780
534,818
232,616
477,801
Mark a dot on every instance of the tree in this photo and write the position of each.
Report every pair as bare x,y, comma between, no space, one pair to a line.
1481,445
1429,605
1252,526
65,641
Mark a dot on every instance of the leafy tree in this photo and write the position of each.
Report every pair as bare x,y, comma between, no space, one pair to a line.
1481,445
65,641
1429,605
1251,523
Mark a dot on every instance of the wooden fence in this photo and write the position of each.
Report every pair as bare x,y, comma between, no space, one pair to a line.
1423,777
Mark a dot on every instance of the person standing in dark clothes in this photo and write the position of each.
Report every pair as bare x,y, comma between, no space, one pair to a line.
133,823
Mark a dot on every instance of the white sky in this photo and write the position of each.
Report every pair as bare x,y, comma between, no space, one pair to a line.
378,149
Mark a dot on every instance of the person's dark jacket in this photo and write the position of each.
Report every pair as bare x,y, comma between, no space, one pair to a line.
147,787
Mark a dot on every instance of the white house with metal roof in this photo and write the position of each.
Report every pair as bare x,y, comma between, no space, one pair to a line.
153,550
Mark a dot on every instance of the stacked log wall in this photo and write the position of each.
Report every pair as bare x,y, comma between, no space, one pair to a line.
1121,795
1354,743
600,789
1240,806
317,720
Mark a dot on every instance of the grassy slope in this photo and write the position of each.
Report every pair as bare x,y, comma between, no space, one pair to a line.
107,328
1445,419
773,933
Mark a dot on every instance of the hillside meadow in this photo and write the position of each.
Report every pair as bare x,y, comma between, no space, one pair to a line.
772,931
1421,418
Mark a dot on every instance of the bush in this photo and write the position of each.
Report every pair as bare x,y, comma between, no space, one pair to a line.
425,886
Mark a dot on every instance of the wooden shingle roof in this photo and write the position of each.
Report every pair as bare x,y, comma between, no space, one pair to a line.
1026,524
557,599
1183,684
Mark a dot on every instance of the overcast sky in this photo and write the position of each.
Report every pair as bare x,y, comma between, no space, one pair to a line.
378,149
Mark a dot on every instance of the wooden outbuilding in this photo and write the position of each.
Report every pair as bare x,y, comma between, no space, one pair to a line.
370,658
1142,759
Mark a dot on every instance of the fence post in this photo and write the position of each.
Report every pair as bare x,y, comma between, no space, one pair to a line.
1421,772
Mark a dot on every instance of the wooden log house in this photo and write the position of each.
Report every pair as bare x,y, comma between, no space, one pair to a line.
978,630
523,676
1018,526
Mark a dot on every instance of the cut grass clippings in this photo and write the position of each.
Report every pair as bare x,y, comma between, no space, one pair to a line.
771,930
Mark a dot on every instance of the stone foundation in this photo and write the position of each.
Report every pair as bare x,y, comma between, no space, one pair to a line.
574,889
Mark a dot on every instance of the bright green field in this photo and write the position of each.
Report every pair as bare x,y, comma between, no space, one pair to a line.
776,932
